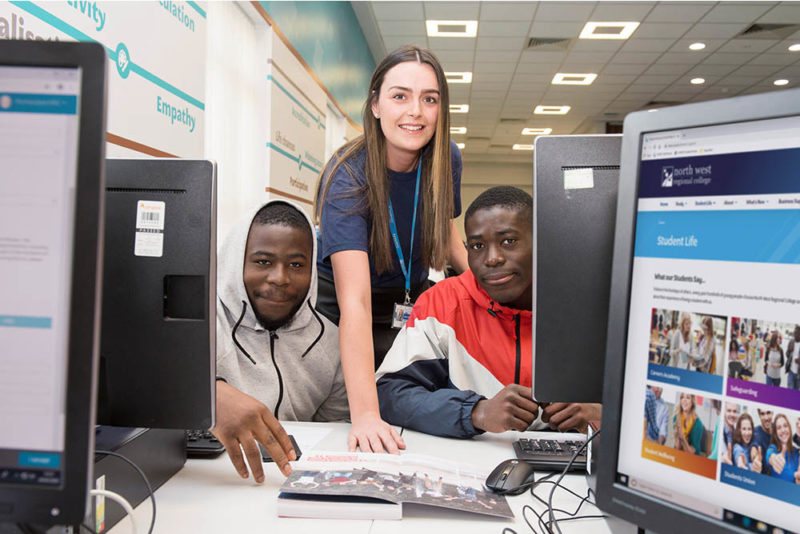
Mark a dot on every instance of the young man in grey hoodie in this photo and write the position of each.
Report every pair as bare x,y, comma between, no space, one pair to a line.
277,358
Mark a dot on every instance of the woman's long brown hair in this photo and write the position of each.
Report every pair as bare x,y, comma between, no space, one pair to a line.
436,177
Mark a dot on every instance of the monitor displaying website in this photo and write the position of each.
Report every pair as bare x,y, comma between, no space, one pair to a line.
39,116
711,411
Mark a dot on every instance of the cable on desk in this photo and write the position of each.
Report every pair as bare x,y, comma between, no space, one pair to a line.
144,479
575,454
122,501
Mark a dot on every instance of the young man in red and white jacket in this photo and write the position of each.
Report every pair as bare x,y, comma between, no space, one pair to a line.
461,366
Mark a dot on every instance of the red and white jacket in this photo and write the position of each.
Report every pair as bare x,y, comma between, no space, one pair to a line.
457,348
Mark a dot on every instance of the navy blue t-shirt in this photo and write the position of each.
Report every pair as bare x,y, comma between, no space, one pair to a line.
345,225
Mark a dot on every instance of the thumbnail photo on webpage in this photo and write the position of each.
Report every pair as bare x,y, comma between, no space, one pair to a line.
764,362
686,340
679,429
759,450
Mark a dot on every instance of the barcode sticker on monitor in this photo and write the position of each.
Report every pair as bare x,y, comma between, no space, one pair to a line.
579,178
149,239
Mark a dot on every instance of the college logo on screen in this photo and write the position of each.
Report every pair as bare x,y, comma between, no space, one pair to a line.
666,176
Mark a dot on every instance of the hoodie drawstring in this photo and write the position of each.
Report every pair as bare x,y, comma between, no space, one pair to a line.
233,334
491,309
321,326
272,337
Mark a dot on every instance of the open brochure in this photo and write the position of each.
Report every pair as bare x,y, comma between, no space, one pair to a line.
408,478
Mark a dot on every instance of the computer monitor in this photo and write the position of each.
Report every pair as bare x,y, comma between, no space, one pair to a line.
707,251
52,142
574,205
158,352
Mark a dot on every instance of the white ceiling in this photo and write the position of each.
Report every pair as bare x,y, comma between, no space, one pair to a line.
655,64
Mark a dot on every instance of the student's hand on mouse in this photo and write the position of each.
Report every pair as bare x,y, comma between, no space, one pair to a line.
511,409
778,462
370,433
241,420
564,416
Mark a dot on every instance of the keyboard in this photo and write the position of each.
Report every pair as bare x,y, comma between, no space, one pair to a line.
202,444
551,454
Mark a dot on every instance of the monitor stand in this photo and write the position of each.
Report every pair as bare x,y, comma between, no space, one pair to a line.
159,453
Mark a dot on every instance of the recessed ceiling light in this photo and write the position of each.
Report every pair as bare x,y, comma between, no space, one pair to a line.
536,131
697,46
459,108
458,77
522,147
697,81
551,110
795,48
608,30
781,82
564,78
460,146
458,129
452,28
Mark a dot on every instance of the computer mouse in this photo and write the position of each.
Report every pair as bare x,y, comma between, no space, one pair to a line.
511,477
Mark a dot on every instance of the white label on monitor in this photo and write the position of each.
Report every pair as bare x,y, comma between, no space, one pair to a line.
149,239
578,178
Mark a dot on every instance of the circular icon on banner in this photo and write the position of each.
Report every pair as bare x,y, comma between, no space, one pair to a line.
123,61
5,101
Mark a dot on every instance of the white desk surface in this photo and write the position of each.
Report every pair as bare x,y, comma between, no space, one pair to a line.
208,495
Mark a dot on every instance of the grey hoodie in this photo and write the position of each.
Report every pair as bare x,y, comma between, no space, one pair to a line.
299,363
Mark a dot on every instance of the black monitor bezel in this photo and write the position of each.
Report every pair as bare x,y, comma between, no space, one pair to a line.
34,505
649,512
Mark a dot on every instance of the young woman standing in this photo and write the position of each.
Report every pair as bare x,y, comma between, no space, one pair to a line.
385,209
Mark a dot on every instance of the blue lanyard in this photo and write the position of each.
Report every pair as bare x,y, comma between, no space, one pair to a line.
396,238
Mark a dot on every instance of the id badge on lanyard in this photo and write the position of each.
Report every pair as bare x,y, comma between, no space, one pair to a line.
402,311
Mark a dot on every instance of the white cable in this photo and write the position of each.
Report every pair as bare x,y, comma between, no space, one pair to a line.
121,501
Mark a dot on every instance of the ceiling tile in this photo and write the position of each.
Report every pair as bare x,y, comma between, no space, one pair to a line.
784,13
656,79
667,69
504,29
452,10
624,68
397,10
594,45
564,11
402,27
682,45
507,11
454,56
711,70
502,43
705,30
719,58
737,12
756,70
661,30
682,58
621,11
593,58
735,46
647,45
497,67
450,43
678,11
395,42
774,59
636,57
544,29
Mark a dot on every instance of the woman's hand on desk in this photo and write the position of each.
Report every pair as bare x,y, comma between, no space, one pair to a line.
370,433
511,409
243,420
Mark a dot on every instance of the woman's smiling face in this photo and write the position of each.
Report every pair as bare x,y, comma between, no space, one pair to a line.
408,109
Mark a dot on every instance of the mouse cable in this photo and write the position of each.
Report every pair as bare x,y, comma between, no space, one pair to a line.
575,454
144,479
